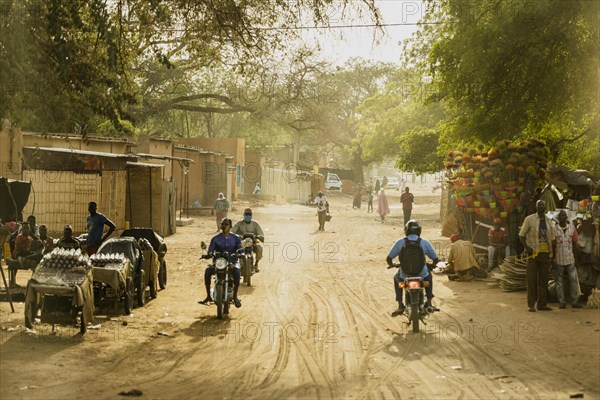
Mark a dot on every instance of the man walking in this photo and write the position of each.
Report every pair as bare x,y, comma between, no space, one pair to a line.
537,237
407,200
564,266
95,227
322,209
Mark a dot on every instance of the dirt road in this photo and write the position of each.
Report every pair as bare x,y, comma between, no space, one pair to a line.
315,324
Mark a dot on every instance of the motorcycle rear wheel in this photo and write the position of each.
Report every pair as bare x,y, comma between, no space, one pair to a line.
414,317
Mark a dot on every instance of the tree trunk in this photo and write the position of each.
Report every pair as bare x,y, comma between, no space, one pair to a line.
358,166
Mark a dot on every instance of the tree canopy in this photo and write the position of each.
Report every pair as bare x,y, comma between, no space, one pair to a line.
92,62
516,68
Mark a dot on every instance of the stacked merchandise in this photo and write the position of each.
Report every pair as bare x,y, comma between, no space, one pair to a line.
114,261
63,266
496,183
513,274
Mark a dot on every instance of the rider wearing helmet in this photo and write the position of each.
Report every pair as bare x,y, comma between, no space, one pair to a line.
412,231
230,243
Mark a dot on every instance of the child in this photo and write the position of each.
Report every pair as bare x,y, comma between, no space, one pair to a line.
370,202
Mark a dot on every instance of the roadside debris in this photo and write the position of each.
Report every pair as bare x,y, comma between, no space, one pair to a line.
132,392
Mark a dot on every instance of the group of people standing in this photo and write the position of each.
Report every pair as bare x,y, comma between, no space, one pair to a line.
549,245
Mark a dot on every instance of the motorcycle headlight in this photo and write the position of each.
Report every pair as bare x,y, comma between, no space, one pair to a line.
247,242
221,264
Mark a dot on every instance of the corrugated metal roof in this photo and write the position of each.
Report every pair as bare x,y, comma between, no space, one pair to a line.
141,164
197,149
78,137
81,152
163,157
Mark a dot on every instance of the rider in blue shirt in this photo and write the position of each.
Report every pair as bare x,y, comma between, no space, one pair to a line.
230,243
413,232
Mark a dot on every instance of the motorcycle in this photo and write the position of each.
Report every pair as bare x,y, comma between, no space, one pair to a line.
416,308
247,261
222,290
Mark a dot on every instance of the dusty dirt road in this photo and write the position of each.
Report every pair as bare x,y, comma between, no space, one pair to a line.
315,324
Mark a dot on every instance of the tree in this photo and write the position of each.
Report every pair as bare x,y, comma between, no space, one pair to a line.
83,61
516,68
400,122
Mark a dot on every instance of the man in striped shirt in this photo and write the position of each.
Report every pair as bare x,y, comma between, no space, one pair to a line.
564,260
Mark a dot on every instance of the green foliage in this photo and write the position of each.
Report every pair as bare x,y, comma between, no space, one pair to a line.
71,64
399,122
515,68
417,148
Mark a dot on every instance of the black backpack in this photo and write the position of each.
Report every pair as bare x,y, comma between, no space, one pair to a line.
412,257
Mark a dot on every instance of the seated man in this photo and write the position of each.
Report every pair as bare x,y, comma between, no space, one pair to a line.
247,225
497,237
230,243
28,253
462,258
413,235
47,241
68,241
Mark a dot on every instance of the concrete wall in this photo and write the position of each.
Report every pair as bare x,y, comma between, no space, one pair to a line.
285,185
157,146
253,167
206,176
234,147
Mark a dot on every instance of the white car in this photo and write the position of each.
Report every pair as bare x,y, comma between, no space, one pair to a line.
393,183
333,182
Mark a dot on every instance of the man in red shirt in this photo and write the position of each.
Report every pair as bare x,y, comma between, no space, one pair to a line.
407,199
23,241
497,243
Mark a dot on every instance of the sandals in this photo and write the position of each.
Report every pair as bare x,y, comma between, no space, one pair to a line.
237,303
207,300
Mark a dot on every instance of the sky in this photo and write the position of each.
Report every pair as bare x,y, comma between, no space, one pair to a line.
364,41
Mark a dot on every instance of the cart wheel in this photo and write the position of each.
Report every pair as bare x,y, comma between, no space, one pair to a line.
30,314
162,275
140,289
128,301
152,289
82,323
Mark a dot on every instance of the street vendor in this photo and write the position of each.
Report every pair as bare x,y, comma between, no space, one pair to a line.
47,241
564,267
497,238
95,226
462,258
28,252
23,241
537,237
68,241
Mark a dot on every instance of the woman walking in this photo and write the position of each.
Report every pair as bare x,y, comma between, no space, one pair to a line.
383,207
220,209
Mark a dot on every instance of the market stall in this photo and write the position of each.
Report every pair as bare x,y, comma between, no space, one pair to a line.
500,182
61,290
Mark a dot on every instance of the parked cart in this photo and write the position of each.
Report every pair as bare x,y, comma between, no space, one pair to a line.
60,290
117,265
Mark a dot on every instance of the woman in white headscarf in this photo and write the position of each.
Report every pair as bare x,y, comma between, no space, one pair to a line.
220,209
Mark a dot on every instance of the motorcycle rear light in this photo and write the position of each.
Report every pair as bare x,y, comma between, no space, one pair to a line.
414,285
